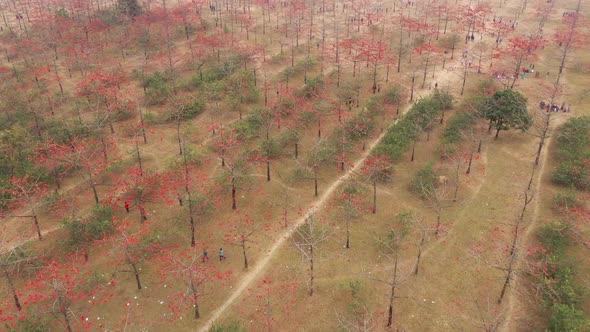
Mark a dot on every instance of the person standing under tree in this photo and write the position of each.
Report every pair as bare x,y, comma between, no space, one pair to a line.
221,254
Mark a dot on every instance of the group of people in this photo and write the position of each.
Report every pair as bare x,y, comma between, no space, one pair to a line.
549,107
502,75
205,257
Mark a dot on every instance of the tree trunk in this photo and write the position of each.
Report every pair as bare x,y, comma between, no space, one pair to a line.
374,210
497,133
64,313
196,304
506,282
178,138
95,193
347,234
315,182
12,290
469,166
267,170
136,273
464,80
412,89
296,150
437,231
425,72
392,294
419,255
139,158
311,271
413,150
243,245
233,197
192,222
37,227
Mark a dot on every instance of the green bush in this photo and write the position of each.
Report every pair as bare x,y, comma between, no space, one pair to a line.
227,326
400,136
573,151
359,127
392,96
188,111
269,148
375,106
566,318
157,87
452,134
191,83
573,174
249,127
443,98
574,139
424,181
565,200
95,227
151,117
556,280
554,236
312,88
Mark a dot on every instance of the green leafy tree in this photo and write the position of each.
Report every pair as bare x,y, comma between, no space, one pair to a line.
130,8
506,110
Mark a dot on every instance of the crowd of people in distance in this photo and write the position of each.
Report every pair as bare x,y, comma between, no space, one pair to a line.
550,107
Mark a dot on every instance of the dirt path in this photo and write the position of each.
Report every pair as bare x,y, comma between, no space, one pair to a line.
315,206
512,301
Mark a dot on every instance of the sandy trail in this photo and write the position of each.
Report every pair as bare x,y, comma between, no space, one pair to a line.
532,226
314,207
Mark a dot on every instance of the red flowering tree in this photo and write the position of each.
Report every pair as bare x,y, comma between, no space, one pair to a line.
60,290
242,232
136,187
429,54
89,156
26,192
104,99
266,300
519,51
132,247
191,270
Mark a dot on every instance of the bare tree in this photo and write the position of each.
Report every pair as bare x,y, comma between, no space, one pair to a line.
307,239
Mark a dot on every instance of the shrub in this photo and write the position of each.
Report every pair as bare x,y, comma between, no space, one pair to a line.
573,150
156,88
573,174
424,181
188,111
96,226
227,326
452,134
191,83
565,200
443,98
400,136
312,88
553,235
392,96
567,318
249,127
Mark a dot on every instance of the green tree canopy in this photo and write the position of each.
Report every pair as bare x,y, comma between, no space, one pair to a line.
507,109
130,8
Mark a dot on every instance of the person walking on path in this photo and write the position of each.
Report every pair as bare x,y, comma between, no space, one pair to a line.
205,258
221,254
